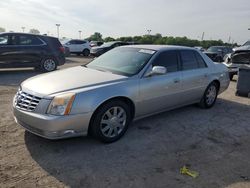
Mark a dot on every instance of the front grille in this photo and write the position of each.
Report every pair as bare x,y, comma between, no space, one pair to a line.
26,101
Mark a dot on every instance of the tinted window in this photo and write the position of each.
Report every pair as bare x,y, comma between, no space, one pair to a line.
72,42
80,42
29,40
200,60
188,60
3,39
167,59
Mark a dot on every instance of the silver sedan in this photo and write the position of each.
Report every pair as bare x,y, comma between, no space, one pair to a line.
104,96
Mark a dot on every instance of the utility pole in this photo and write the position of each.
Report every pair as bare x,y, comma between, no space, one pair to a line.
149,31
23,28
202,37
58,25
80,34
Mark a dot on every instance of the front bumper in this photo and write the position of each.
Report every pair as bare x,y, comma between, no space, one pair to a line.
53,127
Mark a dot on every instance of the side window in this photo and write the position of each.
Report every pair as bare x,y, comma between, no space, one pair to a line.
167,59
200,60
4,40
29,40
72,42
189,61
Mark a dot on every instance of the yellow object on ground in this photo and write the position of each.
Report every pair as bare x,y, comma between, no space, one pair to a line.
184,170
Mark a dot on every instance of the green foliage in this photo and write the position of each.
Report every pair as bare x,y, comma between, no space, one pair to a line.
109,39
34,31
96,37
165,40
2,29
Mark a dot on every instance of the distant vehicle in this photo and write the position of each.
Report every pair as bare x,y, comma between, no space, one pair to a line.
126,83
238,58
200,48
78,47
97,51
95,43
28,50
217,53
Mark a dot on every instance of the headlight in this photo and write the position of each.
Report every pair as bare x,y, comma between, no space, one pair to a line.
61,104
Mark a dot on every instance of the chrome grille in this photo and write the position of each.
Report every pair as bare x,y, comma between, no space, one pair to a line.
26,101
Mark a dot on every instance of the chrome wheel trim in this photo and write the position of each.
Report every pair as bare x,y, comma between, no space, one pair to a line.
49,65
211,95
113,122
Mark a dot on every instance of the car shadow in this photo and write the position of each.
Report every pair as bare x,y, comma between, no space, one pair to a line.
154,149
14,77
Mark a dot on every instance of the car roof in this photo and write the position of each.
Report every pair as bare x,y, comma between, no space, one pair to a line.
30,34
160,47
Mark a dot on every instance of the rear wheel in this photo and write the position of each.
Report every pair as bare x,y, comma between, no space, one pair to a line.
210,96
48,65
111,121
85,52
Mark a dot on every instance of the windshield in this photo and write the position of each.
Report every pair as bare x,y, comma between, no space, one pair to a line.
108,44
214,49
247,43
123,61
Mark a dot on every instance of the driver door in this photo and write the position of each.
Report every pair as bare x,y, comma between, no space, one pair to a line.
160,92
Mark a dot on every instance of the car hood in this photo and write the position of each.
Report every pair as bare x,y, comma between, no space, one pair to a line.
68,79
242,48
211,53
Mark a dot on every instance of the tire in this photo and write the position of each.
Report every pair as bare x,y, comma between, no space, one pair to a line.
231,76
210,96
48,64
110,121
85,52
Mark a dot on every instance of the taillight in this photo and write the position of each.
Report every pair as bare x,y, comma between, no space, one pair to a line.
62,49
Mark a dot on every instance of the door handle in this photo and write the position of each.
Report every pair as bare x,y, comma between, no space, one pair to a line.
177,80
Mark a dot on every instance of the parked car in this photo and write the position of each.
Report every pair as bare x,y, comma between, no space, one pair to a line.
28,50
238,58
97,51
95,43
126,83
217,53
200,48
78,47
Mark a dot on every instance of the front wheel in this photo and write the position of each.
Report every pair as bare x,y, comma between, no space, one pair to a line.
111,121
210,96
48,65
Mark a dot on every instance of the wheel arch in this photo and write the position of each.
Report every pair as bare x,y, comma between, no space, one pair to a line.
121,98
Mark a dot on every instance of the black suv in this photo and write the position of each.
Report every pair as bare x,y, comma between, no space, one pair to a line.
27,50
99,50
217,53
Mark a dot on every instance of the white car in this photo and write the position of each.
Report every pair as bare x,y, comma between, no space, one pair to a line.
78,47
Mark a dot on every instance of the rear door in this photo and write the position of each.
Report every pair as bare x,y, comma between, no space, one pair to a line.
71,45
26,50
80,45
194,76
160,92
5,51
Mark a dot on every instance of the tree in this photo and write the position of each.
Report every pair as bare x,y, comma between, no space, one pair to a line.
34,31
109,39
2,29
96,37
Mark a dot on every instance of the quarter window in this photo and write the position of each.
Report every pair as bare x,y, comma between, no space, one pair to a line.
200,60
4,40
167,59
189,61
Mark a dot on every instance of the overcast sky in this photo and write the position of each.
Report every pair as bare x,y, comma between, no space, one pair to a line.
219,19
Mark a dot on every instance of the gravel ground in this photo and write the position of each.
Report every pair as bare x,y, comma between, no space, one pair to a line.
214,142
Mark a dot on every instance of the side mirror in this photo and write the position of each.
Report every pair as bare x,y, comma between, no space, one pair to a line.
157,70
